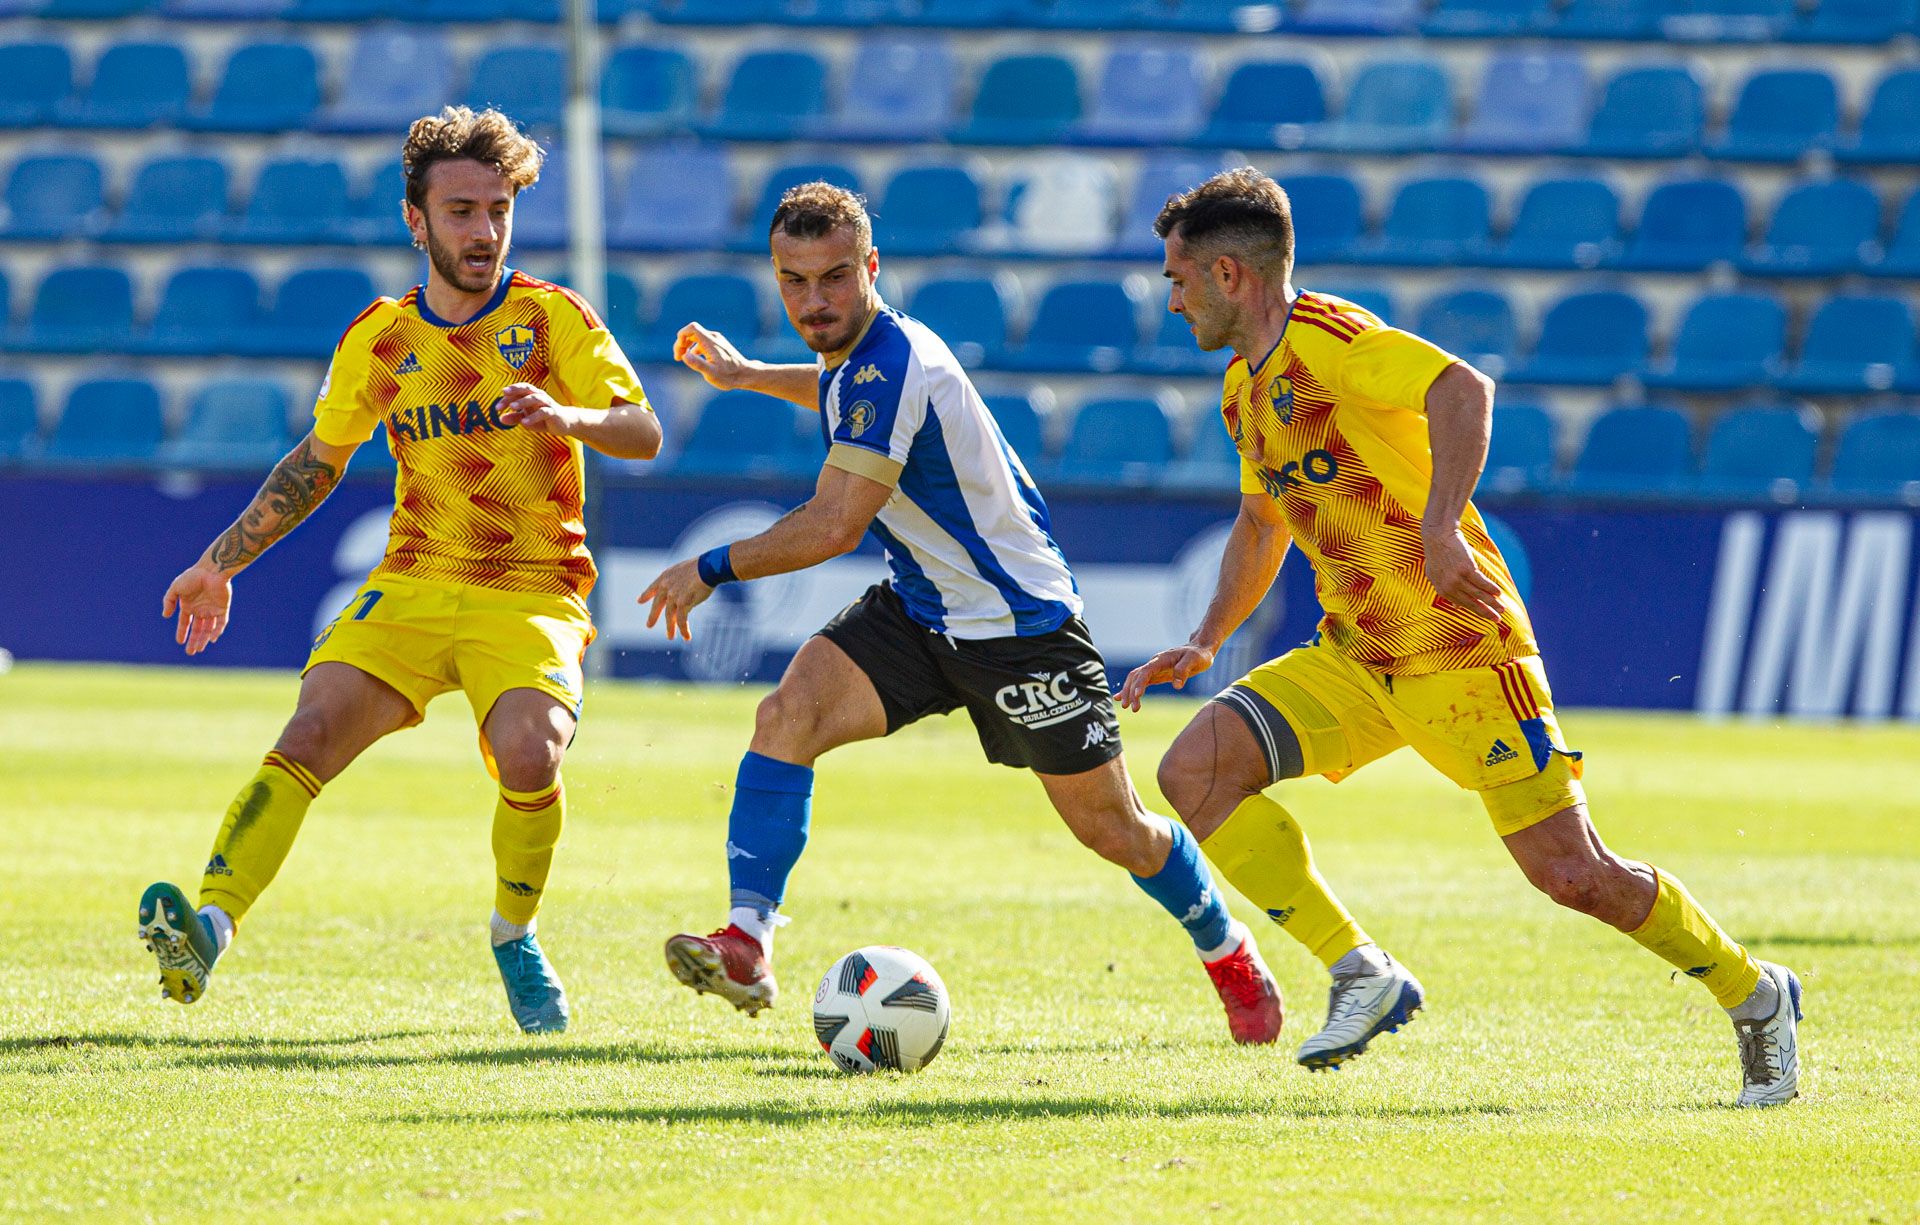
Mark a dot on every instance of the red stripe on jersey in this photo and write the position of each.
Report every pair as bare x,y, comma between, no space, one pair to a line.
579,303
356,323
1323,311
1325,326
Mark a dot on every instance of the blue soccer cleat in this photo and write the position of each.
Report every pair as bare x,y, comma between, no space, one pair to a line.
181,939
534,993
1360,1008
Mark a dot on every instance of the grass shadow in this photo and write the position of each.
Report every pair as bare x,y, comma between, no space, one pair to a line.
262,1055
1848,941
173,1041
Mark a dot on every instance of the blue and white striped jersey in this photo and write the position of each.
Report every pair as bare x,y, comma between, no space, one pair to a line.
966,532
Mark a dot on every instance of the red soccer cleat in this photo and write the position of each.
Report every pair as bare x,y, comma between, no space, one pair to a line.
729,963
1255,1012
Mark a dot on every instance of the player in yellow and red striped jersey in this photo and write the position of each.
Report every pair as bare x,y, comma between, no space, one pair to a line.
489,384
1361,444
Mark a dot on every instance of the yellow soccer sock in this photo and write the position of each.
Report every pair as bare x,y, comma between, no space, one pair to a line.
257,833
1263,851
1680,932
526,824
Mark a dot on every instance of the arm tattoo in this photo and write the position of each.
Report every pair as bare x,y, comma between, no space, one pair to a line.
296,485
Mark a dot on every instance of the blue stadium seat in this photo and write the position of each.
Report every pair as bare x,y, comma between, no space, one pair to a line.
396,74
1726,342
712,12
34,77
1326,216
234,423
528,82
906,91
108,422
80,309
1475,325
1759,450
970,314
1588,338
1355,17
1520,454
91,10
1782,114
227,10
19,421
1487,18
772,95
1266,104
963,14
1820,229
342,11
1563,223
267,87
545,12
1216,16
295,203
1173,350
724,302
1116,442
623,317
1640,449
540,221
1432,221
1686,225
1148,95
1374,299
1635,20
1084,326
1160,175
1394,106
1529,102
753,238
311,310
1879,454
745,434
203,312
648,91
1020,425
1856,344
1023,100
928,210
52,197
1210,462
173,199
1890,129
1726,21
1648,110
134,85
1902,257
678,198
374,217
1870,22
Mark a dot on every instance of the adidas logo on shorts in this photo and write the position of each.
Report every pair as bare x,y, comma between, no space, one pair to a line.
1499,753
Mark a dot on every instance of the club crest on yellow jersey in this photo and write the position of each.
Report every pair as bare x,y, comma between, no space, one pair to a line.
515,344
867,374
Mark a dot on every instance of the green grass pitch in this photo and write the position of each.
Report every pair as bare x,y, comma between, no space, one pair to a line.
354,1058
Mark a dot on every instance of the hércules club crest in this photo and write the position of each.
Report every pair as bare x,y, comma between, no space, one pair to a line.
515,343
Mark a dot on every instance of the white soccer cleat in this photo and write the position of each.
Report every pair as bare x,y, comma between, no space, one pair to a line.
1360,1008
1770,1049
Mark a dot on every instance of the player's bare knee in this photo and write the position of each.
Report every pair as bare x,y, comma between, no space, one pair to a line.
309,739
1186,778
788,725
527,762
1119,835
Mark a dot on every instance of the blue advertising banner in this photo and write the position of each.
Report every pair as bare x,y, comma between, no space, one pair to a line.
1808,612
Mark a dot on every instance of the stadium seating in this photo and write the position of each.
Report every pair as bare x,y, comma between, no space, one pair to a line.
1529,102
266,87
1019,423
1726,342
1649,110
394,75
1475,325
1060,205
1081,326
772,95
1161,175
1782,114
1023,100
204,312
743,433
1890,129
648,91
677,197
1686,225
1327,216
1148,95
928,209
54,196
753,237
375,215
1639,449
173,199
134,85
1722,21
1902,256
234,423
310,310
295,202
1266,104
1440,221
540,220
1395,106
1856,344
526,81
1821,228
1563,223
79,309
1355,17
969,313
1759,450
1853,21
19,421
1486,18
1592,337
108,421
1629,20
34,78
719,301
1879,455
1125,441
1172,350
1521,450
1211,463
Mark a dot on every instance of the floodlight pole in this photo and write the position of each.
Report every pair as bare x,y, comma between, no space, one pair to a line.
586,232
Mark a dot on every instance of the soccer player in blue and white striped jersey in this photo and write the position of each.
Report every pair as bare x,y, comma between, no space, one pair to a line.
981,611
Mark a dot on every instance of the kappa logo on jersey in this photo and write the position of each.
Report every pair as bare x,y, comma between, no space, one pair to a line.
410,364
515,344
861,416
868,373
1043,702
1500,752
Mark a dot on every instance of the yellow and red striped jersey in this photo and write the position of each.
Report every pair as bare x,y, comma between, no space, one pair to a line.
477,501
1332,426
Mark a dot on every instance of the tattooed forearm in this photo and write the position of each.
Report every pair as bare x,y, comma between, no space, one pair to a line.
296,485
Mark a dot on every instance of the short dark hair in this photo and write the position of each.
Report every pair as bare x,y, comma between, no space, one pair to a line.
487,136
1241,213
817,209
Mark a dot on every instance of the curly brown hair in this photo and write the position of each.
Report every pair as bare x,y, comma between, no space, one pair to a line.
817,209
486,136
1241,213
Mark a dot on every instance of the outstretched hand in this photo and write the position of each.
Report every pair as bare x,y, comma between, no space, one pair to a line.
203,597
675,593
712,356
1176,664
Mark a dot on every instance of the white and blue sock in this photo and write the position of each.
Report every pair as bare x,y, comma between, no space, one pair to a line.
766,832
1184,888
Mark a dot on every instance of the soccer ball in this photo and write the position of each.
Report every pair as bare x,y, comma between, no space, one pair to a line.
881,1007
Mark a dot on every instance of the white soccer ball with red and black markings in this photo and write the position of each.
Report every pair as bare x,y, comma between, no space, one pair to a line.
881,1007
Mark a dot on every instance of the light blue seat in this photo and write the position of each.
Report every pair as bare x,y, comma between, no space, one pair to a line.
527,82
395,74
1080,326
1438,221
134,85
1642,449
54,196
1266,104
905,91
374,218
80,309
1394,106
1377,17
772,95
1475,325
648,91
724,302
1855,344
233,423
745,434
1520,453
1149,94
1563,223
1326,216
34,78
969,313
1161,175
266,87
1529,102
678,197
928,210
1635,20
1173,350
1373,298
1879,455
1822,228
19,421
108,422
1726,342
1870,22
1688,224
1759,450
311,310
1648,110
203,312
1726,21
1890,129
173,199
1487,18
753,238
1588,338
540,220
1782,114
1210,462
1023,100
1116,442
296,202
1020,425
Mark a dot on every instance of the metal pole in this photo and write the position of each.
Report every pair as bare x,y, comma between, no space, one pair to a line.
586,236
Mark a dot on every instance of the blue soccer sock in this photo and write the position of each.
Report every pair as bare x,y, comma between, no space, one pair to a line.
1185,889
766,831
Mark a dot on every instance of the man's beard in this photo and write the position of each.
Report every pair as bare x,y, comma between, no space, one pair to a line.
832,342
448,264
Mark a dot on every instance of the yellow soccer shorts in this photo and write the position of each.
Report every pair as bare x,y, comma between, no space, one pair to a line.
1490,730
426,638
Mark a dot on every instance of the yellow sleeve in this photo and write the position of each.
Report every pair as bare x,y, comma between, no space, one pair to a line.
588,359
1250,477
345,415
1388,366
